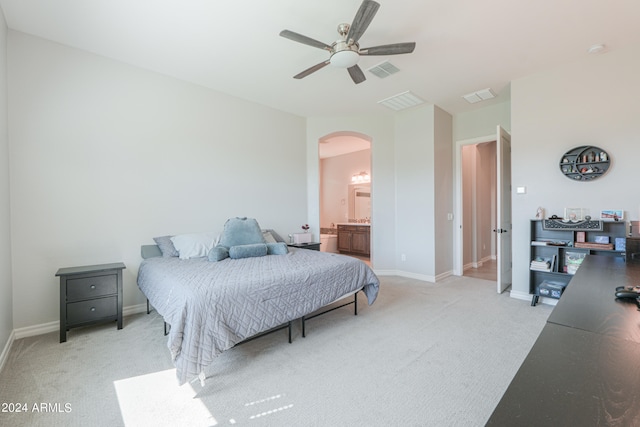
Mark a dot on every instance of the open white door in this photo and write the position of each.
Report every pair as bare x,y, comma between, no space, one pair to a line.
503,220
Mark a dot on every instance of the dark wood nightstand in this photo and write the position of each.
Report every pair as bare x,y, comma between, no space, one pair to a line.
314,246
90,294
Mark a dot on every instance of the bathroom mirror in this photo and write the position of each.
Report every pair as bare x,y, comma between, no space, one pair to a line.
359,201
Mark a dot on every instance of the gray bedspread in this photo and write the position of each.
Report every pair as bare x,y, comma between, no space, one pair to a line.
211,306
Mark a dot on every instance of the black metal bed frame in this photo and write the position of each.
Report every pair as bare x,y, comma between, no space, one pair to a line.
289,323
355,312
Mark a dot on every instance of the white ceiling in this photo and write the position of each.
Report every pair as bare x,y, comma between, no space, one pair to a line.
233,46
341,144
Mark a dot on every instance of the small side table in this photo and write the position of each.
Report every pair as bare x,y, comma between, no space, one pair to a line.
314,246
90,294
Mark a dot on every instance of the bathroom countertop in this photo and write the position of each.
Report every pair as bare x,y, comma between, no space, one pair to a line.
366,224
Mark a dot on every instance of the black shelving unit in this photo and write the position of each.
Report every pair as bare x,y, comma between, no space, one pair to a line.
585,163
557,245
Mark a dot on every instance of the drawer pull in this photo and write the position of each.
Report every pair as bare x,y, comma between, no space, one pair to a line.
92,309
92,286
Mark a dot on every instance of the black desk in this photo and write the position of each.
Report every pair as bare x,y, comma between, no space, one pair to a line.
584,368
589,302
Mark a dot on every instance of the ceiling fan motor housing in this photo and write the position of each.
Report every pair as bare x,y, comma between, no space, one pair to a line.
344,55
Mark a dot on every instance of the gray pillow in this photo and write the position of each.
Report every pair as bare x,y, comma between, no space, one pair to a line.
166,246
273,234
218,253
248,251
241,231
277,248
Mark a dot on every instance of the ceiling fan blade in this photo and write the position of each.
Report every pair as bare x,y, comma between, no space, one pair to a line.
310,70
363,18
356,74
304,40
389,49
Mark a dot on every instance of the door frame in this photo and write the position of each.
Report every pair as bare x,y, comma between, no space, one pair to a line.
458,243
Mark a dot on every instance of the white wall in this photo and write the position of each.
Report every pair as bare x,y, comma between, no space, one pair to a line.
482,121
105,156
336,173
424,186
415,207
443,192
6,288
589,102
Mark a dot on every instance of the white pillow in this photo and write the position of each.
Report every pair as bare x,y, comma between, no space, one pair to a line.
194,245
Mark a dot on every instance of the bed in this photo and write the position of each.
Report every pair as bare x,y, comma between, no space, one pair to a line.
212,306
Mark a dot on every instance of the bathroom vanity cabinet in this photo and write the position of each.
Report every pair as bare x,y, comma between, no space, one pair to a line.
354,239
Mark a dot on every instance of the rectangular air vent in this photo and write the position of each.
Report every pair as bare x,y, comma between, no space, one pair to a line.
401,101
384,69
480,95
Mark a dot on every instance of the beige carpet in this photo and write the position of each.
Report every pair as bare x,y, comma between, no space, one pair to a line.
423,355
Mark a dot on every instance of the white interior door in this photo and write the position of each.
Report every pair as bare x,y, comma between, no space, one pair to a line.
503,220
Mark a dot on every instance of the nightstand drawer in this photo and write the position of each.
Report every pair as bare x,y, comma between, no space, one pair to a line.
91,287
87,311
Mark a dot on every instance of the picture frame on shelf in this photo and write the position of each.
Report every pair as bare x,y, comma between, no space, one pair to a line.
612,215
575,214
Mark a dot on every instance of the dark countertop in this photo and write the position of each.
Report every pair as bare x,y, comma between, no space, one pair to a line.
584,368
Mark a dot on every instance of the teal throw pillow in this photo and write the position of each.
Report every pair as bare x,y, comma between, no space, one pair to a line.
278,248
218,253
248,251
241,231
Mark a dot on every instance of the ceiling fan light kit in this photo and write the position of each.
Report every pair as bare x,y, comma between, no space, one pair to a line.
344,59
346,52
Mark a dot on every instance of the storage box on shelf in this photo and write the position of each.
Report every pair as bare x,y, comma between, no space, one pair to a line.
556,253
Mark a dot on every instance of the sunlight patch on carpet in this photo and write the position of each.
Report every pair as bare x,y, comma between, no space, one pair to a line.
156,399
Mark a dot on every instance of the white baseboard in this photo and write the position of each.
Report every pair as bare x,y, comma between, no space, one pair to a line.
407,274
421,277
444,275
45,328
5,351
527,297
479,264
32,331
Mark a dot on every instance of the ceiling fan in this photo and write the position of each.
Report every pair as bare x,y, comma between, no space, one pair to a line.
345,52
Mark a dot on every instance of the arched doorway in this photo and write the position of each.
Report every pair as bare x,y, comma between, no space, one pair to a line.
345,188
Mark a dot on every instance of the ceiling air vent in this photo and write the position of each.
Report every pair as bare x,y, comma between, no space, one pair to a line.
478,96
401,101
384,69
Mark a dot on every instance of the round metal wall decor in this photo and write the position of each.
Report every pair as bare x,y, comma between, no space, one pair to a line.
585,163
